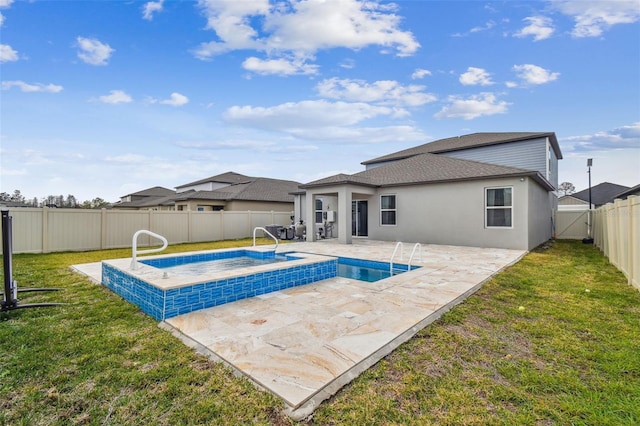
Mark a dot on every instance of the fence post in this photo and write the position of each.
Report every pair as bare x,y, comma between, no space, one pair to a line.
222,224
45,229
103,228
189,226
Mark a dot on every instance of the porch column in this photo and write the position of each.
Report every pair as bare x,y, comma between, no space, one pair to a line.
344,215
310,217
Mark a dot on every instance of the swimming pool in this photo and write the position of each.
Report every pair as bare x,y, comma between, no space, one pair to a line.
164,295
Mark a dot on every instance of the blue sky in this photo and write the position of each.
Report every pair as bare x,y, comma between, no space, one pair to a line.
105,98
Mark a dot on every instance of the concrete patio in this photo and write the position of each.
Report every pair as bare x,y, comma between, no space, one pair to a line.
305,343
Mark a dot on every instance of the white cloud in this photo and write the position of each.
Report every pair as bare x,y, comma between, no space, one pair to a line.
176,100
115,97
489,25
150,8
473,107
540,27
533,74
35,87
301,28
420,73
279,66
7,54
1,19
348,64
93,52
384,92
5,3
592,18
485,27
476,76
306,114
247,145
625,137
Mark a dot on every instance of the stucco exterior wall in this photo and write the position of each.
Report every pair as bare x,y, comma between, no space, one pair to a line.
541,211
454,214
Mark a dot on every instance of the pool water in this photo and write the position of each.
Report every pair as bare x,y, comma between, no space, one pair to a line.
366,270
362,273
219,265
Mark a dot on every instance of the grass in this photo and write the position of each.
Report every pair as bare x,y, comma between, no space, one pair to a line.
554,339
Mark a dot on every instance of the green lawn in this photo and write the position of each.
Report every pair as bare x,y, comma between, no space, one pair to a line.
554,339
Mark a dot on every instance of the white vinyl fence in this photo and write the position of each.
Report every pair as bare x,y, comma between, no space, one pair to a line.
44,230
617,233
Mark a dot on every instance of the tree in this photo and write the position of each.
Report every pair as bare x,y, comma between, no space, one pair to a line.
71,201
566,188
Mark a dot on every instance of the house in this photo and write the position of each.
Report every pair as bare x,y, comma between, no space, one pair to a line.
629,192
235,192
156,198
481,189
601,194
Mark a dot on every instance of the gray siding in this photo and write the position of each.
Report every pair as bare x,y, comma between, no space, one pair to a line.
529,154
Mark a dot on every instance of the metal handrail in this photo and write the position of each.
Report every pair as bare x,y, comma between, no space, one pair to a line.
134,246
413,252
266,232
399,244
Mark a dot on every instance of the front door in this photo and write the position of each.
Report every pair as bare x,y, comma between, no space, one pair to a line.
359,218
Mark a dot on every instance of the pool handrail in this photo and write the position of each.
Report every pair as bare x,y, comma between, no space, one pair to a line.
266,232
134,246
414,252
399,244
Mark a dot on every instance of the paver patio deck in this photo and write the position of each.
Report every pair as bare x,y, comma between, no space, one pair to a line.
305,343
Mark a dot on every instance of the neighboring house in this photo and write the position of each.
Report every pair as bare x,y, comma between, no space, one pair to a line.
601,194
482,189
629,192
156,198
235,192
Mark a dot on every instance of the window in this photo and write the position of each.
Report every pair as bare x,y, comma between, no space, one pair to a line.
318,210
499,208
388,209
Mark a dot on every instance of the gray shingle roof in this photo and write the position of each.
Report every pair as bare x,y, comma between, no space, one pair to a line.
467,141
156,196
156,191
428,168
253,189
228,177
601,193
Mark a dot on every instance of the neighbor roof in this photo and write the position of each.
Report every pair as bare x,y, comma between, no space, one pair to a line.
252,189
156,191
601,193
468,141
156,196
428,168
228,177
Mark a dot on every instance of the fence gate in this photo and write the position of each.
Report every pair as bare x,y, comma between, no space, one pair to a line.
572,225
